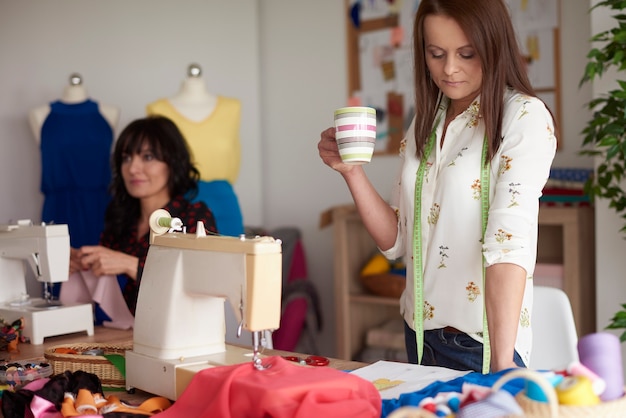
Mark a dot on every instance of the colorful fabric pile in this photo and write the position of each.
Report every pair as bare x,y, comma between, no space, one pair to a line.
73,394
11,335
566,187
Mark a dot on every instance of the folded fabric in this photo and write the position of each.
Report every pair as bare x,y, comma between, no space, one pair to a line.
85,287
454,385
285,390
53,398
87,403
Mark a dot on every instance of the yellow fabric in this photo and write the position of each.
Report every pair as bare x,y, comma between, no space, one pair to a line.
376,265
213,141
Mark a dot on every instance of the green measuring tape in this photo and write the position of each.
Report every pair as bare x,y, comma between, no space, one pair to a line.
485,184
418,262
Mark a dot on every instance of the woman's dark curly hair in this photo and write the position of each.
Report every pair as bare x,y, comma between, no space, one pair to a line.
168,145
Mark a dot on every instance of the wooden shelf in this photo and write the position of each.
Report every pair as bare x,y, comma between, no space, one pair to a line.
566,236
359,298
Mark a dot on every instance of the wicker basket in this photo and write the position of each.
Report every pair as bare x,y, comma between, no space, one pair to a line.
108,374
552,409
387,285
411,412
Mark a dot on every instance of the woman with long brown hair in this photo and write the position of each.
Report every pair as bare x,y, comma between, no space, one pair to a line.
464,211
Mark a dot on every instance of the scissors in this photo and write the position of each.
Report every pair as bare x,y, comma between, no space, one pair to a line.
310,360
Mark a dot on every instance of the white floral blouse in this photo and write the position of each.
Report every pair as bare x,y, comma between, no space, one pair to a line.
451,213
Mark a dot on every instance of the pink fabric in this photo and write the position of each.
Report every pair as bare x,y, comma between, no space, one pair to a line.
42,408
85,287
285,390
37,384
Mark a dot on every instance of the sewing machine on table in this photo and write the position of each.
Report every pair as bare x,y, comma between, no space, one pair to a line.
46,249
179,321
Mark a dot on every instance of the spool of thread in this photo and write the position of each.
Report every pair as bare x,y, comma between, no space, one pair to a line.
578,369
576,390
454,403
172,223
443,410
601,353
534,391
161,222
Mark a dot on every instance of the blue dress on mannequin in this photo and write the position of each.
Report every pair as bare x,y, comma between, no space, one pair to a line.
75,169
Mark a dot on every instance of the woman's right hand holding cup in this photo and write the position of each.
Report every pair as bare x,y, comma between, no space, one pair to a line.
329,151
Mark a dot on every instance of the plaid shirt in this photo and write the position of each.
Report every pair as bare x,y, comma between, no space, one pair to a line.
189,213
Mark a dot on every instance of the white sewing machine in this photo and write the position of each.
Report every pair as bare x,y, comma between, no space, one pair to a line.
46,249
179,321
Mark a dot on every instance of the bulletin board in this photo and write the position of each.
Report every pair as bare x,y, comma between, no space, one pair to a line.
380,59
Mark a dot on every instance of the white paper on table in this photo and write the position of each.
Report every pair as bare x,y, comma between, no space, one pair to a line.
408,377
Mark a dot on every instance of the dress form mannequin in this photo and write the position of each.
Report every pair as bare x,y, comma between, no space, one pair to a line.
75,137
210,124
73,93
193,100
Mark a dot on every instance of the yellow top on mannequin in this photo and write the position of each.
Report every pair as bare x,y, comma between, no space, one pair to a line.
210,124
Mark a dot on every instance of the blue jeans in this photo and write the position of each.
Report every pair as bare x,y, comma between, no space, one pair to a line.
453,350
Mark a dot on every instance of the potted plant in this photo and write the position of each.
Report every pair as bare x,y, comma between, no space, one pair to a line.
605,134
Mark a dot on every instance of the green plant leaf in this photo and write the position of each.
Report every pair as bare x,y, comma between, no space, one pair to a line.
604,136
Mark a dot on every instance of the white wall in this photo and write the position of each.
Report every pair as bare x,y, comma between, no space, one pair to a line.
574,33
285,59
129,54
304,78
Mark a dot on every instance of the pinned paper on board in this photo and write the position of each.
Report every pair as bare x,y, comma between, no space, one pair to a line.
380,71
380,59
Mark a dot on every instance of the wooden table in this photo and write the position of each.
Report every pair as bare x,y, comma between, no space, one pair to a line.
101,335
30,352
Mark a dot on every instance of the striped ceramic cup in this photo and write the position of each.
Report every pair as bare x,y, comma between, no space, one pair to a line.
355,132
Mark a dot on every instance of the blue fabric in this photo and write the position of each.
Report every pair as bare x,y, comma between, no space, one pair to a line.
75,169
220,197
446,349
455,385
580,175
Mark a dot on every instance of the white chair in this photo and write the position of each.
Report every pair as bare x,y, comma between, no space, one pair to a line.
554,330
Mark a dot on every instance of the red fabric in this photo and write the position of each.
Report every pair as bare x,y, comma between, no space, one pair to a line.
291,323
298,263
294,315
549,191
285,390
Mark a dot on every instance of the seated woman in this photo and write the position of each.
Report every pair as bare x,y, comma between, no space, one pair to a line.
152,169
